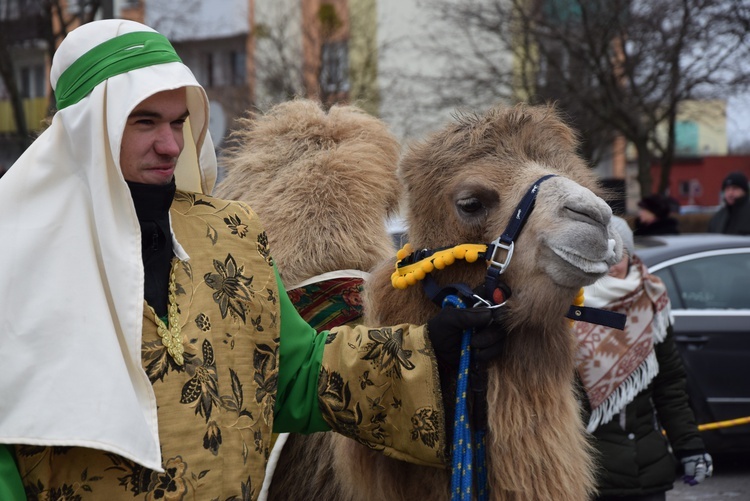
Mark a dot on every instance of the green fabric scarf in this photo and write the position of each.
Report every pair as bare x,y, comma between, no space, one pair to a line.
113,57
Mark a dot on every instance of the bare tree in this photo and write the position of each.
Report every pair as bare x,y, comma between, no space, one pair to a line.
278,53
613,66
308,52
25,22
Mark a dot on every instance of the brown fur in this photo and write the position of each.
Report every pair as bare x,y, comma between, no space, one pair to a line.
322,183
537,447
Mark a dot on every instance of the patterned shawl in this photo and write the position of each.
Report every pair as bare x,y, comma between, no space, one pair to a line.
616,365
329,303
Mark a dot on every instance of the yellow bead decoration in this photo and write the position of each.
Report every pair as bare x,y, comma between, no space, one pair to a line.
171,337
578,301
404,276
579,298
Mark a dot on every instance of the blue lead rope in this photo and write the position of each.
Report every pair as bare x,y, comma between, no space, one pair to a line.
463,458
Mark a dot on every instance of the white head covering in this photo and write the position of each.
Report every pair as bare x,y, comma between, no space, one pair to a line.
626,234
71,292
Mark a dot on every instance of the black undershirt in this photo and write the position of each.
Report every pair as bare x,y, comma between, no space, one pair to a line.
152,204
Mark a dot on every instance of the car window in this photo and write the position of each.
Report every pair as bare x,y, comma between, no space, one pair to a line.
674,294
719,282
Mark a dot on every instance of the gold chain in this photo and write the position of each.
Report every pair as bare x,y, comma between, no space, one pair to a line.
171,337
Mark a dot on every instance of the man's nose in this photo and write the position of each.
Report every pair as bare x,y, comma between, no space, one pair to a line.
168,143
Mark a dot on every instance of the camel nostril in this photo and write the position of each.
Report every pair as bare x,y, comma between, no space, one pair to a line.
584,215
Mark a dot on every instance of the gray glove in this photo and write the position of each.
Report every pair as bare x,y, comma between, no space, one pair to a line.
697,468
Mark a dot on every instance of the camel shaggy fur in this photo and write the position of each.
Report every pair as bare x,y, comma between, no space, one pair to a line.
322,183
462,186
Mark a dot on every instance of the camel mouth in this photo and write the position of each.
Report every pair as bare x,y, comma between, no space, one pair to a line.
586,264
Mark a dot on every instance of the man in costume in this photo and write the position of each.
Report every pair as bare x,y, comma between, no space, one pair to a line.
108,396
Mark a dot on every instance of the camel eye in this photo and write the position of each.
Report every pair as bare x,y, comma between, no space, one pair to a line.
470,205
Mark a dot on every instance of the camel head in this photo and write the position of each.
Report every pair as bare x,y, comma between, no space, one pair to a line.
463,185
323,184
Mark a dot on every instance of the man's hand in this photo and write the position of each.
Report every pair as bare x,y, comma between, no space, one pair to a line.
446,329
697,468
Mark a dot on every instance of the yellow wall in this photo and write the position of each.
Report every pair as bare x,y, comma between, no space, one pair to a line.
363,55
35,110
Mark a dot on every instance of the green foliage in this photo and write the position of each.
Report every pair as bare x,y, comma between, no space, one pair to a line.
261,30
329,20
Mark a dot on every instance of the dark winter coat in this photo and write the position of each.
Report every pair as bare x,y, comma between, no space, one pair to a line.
634,456
732,220
666,226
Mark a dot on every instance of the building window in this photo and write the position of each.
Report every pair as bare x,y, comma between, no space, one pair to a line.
39,81
209,69
237,71
80,7
690,189
32,81
334,70
686,137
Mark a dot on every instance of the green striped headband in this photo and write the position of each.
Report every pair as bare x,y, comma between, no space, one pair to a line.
119,55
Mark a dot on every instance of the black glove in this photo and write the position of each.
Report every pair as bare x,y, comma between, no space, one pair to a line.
445,331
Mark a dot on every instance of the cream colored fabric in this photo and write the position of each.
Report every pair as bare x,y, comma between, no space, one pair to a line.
71,292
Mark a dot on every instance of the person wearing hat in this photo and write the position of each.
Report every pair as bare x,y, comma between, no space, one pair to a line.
654,216
150,349
734,217
634,384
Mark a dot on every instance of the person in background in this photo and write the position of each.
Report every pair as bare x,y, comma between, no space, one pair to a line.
150,348
734,217
654,216
635,385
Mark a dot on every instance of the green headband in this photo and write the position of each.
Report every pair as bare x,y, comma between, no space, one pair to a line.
118,55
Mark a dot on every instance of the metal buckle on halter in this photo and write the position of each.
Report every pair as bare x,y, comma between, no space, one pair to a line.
497,244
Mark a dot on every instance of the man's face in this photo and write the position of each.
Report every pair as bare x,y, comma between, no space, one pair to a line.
152,139
646,216
732,193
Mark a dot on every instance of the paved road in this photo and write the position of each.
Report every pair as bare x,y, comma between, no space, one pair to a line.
731,482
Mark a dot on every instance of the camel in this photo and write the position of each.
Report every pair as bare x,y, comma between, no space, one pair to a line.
462,185
324,184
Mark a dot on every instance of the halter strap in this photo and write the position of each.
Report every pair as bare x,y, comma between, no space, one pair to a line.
522,212
413,266
115,56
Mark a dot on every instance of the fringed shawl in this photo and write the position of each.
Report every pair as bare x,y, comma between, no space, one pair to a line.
616,365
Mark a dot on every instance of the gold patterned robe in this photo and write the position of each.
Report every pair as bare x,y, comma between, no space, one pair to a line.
216,412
